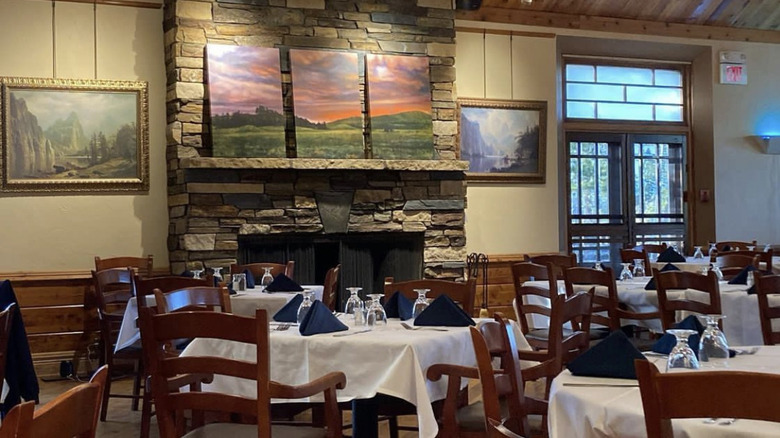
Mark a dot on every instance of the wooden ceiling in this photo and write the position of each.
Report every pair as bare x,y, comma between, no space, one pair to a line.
746,20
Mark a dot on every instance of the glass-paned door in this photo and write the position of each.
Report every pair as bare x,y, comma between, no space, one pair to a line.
624,189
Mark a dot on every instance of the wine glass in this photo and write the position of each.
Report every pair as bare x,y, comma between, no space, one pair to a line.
625,274
639,268
713,347
421,303
697,254
716,269
303,309
267,278
682,355
197,273
217,275
751,248
712,250
353,303
376,315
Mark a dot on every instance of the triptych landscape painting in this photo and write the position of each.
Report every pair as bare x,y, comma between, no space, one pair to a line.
74,135
399,95
245,95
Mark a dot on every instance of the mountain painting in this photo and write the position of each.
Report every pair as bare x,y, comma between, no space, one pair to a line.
503,140
63,131
245,101
326,96
399,97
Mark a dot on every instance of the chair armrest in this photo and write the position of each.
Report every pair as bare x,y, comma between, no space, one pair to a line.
337,380
436,371
182,380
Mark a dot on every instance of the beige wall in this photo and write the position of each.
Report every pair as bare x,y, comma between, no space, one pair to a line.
507,218
61,233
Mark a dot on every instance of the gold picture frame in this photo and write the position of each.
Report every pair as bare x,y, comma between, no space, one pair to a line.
74,135
503,140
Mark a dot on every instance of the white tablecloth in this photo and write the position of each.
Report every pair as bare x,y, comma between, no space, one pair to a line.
695,265
388,360
585,412
243,303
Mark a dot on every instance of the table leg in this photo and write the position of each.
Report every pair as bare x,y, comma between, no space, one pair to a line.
365,418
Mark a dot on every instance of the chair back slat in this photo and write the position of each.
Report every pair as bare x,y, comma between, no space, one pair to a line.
174,366
592,277
558,261
143,266
146,286
766,286
681,280
460,292
193,298
527,271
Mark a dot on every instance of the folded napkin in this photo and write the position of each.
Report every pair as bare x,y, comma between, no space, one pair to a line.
398,306
282,283
187,273
668,341
612,357
320,320
250,279
726,248
445,312
667,267
669,255
741,278
289,312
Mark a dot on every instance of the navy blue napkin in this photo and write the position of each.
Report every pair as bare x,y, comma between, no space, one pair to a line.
19,371
752,290
726,248
612,357
444,312
187,273
741,278
320,320
282,283
667,267
669,255
250,279
398,306
668,341
289,312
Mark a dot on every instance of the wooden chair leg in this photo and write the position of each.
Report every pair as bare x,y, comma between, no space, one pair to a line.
393,423
104,404
146,414
137,380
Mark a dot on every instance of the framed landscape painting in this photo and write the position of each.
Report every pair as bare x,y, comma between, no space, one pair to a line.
245,101
503,140
71,135
399,99
326,96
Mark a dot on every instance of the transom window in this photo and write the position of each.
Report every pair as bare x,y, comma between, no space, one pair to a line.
609,92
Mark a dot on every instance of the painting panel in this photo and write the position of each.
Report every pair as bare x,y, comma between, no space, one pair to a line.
245,101
71,135
503,140
399,97
326,96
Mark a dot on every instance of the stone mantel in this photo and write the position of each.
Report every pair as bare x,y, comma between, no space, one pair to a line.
324,164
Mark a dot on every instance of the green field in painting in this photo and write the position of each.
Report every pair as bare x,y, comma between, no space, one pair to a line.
403,144
249,141
341,139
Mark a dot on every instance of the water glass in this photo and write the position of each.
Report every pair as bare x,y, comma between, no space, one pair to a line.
239,282
682,355
303,309
713,347
375,315
716,269
217,275
360,313
712,250
353,302
421,303
197,273
625,274
267,279
697,254
639,268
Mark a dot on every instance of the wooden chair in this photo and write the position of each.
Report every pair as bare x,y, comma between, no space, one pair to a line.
733,245
21,413
525,271
666,396
144,266
461,292
610,303
559,261
193,298
764,258
498,430
258,269
6,319
331,289
157,331
768,285
629,255
113,288
493,339
72,414
681,280
649,248
732,264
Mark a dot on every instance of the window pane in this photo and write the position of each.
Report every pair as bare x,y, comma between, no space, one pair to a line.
575,186
588,148
672,78
588,185
603,149
649,150
580,73
581,110
603,187
668,113
573,150
654,95
624,75
624,111
612,93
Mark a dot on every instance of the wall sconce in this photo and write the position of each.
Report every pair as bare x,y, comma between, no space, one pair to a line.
770,143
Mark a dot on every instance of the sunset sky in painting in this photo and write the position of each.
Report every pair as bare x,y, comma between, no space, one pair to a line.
325,85
397,84
242,77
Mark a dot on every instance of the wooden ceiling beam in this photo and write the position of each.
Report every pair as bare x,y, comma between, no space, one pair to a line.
618,25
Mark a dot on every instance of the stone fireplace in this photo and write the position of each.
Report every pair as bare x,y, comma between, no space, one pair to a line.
218,206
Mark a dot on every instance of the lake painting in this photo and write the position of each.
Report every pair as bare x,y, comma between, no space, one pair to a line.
399,97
